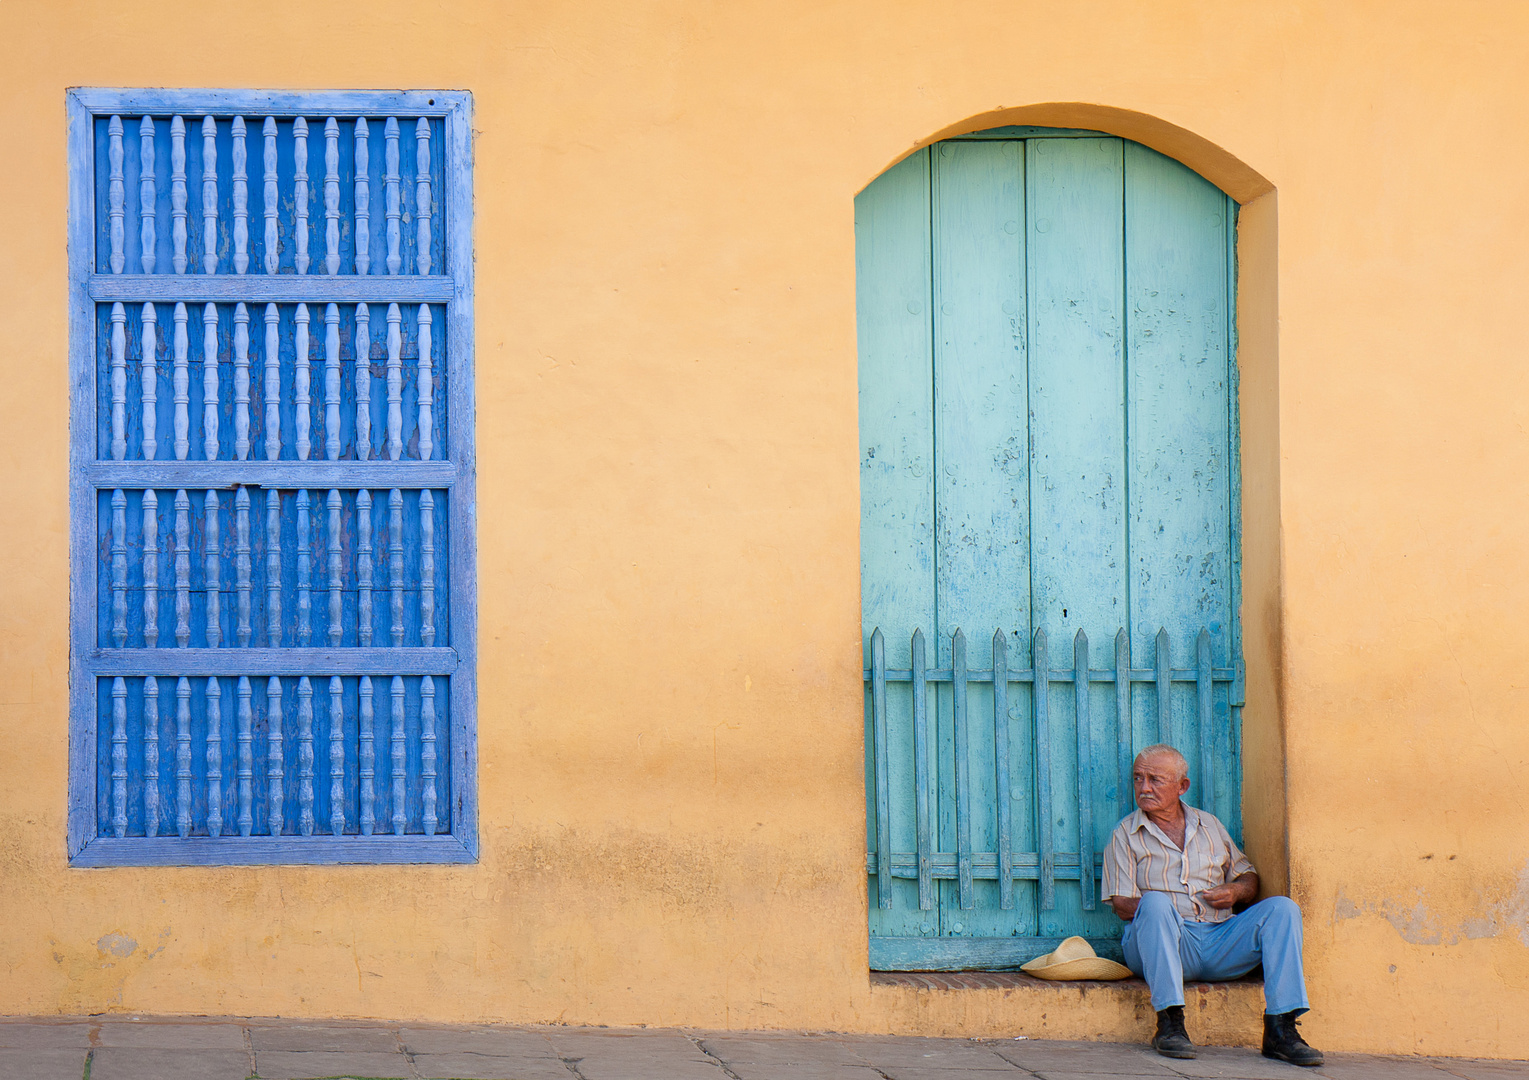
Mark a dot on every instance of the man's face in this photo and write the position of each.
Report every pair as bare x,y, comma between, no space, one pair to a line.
1158,783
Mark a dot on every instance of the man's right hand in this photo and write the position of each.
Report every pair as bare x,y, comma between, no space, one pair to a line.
1125,906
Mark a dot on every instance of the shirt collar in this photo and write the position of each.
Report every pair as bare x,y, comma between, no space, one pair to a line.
1139,820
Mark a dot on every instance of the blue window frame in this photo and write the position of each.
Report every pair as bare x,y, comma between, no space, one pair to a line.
273,598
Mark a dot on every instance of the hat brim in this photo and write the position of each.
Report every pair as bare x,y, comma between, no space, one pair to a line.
1088,967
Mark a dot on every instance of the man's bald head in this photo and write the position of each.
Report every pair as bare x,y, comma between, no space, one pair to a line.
1163,753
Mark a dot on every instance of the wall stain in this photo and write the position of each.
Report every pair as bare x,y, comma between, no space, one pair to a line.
1418,923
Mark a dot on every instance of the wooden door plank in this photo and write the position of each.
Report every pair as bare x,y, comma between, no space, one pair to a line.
1078,477
896,475
981,488
1180,529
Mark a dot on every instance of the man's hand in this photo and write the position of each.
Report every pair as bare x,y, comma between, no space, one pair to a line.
1125,906
1237,891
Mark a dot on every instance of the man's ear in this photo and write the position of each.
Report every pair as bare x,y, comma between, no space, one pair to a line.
1183,785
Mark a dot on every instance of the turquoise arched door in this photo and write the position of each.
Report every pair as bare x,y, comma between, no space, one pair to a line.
1049,527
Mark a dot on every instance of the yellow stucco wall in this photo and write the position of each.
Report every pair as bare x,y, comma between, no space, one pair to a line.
671,761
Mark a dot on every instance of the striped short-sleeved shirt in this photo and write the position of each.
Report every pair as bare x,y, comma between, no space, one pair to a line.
1141,859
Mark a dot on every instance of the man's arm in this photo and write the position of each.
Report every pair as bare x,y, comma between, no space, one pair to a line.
1125,906
1240,890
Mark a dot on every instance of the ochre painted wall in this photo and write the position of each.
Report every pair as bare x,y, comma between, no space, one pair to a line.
672,806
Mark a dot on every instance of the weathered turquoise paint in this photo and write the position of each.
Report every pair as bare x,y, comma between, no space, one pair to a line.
1048,444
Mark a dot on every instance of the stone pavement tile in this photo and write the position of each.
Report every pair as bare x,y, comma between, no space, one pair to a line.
43,1036
1055,1074
1106,1059
468,1066
1367,1067
307,1064
634,1055
1005,1071
813,1071
169,1035
1472,1069
786,1049
904,1051
136,1063
495,1042
43,1064
374,1039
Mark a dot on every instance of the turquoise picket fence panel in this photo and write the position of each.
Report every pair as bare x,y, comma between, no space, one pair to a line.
272,488
1049,527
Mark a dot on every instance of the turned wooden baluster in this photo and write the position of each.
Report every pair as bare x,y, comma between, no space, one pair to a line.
425,393
363,200
275,759
149,377
332,382
241,199
395,561
427,752
178,214
395,383
116,196
118,382
422,206
242,562
304,571
183,756
363,382
210,382
426,569
119,756
246,759
241,382
272,247
148,196
181,384
336,757
332,195
151,756
182,569
119,568
300,192
272,384
273,569
305,756
209,195
212,562
150,569
336,594
400,809
302,385
214,700
367,759
390,186
364,567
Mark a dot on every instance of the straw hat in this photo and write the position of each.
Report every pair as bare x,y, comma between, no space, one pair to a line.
1075,959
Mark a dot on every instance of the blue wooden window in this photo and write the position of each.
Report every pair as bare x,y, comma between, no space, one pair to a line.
271,483
1049,527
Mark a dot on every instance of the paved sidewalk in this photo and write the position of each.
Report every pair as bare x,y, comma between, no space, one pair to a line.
231,1049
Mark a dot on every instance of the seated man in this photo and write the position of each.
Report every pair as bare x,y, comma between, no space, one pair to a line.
1173,873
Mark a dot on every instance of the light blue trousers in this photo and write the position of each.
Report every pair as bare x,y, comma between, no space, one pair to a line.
1165,950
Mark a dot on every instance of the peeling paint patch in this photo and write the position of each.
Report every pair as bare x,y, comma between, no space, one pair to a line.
116,945
1417,923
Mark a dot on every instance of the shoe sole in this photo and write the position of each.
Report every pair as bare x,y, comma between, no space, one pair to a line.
1287,1061
1182,1054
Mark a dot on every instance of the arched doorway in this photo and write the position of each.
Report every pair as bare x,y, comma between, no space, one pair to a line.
1048,420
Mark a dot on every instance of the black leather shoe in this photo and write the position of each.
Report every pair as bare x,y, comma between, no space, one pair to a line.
1283,1041
1172,1040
